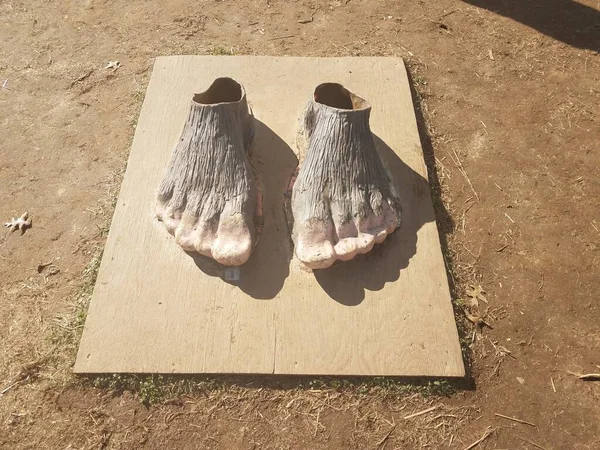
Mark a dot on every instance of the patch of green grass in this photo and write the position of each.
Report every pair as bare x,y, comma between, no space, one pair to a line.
139,92
90,274
389,386
154,389
219,50
149,388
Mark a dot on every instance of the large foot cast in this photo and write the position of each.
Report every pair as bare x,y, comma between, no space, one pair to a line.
343,201
208,199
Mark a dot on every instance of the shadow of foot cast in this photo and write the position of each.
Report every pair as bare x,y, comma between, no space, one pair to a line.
346,282
356,207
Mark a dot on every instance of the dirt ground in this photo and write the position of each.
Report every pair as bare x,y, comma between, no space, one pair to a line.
507,97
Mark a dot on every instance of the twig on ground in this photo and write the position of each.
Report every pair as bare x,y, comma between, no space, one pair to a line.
82,77
464,173
586,376
486,435
552,382
172,415
8,388
470,252
514,419
449,12
532,443
281,37
385,438
425,411
317,424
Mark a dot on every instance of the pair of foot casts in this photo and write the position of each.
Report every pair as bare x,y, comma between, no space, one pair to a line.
342,197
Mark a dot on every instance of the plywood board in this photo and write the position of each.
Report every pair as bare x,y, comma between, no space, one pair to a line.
156,309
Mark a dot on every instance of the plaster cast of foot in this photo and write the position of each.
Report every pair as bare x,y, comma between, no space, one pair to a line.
209,198
343,201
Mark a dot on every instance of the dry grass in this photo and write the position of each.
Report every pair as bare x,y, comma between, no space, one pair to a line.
370,420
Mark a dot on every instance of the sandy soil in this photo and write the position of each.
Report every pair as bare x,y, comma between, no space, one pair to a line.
507,95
